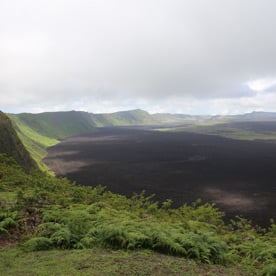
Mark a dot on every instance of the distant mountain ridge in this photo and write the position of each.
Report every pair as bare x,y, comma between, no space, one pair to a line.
58,125
42,130
124,118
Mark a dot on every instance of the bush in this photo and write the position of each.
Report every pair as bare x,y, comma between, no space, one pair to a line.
38,243
62,238
269,270
48,229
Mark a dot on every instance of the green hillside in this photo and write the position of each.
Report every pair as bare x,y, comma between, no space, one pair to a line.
11,145
124,118
58,124
40,131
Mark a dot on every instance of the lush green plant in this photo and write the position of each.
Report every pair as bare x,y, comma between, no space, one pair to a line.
38,243
269,270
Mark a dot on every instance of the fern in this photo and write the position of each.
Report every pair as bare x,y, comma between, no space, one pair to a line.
37,244
62,238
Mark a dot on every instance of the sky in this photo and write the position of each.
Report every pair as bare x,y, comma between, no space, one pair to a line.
176,56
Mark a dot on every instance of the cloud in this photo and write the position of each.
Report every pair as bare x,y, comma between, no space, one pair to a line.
262,84
105,54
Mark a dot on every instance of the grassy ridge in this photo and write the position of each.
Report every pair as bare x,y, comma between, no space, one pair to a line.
57,125
124,118
40,131
34,142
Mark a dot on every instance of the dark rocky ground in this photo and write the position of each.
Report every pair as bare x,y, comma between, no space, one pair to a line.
237,175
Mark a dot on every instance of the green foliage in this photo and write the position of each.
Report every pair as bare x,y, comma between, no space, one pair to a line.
48,229
34,142
11,145
269,270
62,238
38,243
78,222
7,220
118,229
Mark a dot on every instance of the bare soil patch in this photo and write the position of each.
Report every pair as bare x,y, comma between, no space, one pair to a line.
239,176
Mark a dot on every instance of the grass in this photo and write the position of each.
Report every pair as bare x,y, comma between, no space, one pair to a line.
34,142
104,262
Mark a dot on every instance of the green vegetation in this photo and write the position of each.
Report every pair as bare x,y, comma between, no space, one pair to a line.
11,144
124,118
34,142
57,125
52,226
39,212
102,262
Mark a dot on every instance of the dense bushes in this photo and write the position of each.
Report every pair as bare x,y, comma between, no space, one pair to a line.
79,229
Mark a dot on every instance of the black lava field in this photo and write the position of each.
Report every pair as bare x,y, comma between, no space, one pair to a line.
239,176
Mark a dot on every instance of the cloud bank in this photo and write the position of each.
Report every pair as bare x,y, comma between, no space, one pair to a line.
215,56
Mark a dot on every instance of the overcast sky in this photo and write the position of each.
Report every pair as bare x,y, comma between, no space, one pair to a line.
178,56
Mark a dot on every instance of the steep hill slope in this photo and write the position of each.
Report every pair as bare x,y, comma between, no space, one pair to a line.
58,124
40,131
11,145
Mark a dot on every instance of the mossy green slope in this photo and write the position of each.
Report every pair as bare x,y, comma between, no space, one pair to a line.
40,131
11,145
58,124
34,142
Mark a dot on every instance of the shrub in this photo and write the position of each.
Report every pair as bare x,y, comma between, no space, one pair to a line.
38,243
8,223
48,229
78,222
269,270
62,238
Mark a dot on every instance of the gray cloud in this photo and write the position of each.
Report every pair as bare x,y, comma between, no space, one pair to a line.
63,53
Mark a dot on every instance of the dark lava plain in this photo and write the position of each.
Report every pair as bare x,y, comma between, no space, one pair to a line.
239,176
